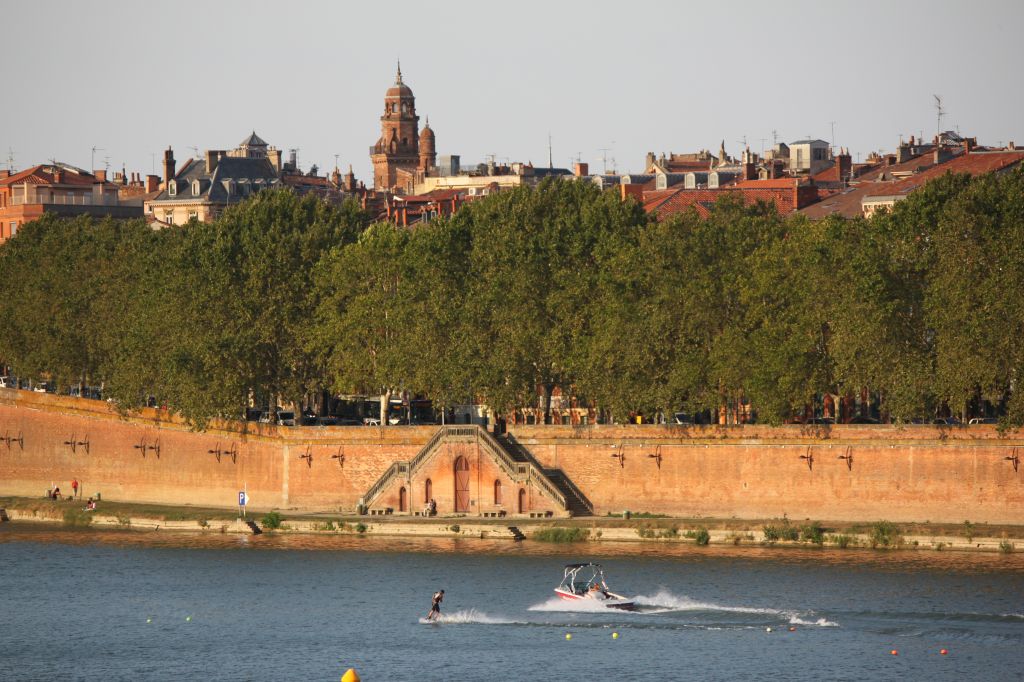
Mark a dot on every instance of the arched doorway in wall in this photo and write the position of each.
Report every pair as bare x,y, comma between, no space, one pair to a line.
497,492
522,501
461,485
428,491
403,499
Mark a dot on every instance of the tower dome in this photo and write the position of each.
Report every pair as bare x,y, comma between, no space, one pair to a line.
428,154
427,138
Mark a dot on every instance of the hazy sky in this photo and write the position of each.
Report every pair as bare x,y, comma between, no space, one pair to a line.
132,78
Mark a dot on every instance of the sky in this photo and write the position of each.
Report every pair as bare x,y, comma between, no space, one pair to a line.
608,81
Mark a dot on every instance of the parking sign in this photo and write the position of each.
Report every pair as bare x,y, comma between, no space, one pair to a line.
242,498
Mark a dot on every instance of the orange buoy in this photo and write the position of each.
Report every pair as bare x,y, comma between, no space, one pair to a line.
792,628
894,652
943,651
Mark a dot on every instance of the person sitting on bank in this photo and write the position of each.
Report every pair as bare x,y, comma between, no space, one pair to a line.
90,505
55,495
432,507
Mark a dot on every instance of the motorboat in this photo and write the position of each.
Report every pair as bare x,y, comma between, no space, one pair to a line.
585,582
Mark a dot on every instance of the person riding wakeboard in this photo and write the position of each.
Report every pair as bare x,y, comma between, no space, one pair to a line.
435,605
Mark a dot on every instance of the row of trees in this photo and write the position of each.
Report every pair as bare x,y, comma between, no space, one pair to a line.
560,285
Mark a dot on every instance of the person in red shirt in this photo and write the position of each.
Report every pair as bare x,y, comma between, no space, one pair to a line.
74,488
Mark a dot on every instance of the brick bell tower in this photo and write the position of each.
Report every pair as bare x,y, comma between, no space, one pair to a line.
398,146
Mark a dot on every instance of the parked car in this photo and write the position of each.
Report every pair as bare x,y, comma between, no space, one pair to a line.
682,418
327,421
43,387
863,420
8,382
820,420
286,419
348,421
371,421
947,421
983,420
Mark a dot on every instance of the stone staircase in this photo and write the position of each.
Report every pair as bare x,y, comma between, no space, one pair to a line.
576,503
506,452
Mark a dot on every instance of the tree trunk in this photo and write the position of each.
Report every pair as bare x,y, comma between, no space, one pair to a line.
385,399
546,403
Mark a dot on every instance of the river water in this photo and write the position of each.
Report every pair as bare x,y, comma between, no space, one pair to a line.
108,605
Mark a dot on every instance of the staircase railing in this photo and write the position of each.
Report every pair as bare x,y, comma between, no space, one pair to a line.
385,478
545,484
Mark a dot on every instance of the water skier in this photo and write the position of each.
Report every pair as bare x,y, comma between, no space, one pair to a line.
435,605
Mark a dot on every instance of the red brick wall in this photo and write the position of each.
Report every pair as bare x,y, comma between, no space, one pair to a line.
919,473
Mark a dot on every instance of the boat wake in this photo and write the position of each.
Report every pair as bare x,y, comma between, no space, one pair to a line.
666,602
468,616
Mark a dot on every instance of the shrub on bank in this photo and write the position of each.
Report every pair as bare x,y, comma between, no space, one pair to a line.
77,517
271,520
885,534
701,536
813,532
557,534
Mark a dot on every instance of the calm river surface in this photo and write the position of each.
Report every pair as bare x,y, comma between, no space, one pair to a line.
107,605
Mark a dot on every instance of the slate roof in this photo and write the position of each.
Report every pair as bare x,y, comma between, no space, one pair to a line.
249,176
253,141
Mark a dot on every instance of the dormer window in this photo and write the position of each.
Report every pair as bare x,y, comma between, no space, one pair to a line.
195,188
172,188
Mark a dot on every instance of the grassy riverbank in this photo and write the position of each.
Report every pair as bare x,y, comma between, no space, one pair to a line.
638,528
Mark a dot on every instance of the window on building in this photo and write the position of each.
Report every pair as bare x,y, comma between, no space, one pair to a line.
193,215
172,188
14,228
169,217
428,491
195,188
497,491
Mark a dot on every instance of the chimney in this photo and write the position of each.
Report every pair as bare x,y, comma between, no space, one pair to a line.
844,165
749,171
274,155
6,173
58,175
152,183
632,190
168,165
101,175
969,143
1011,146
581,169
212,159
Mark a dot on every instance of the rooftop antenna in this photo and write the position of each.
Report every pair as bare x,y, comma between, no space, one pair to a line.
152,163
604,159
775,137
92,160
833,124
10,159
195,152
336,161
939,113
550,162
106,163
763,140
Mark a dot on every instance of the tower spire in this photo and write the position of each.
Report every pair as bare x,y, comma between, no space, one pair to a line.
398,77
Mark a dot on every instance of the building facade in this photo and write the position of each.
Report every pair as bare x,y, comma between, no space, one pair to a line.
57,188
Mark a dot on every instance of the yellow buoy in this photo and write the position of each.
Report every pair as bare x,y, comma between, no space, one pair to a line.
188,619
149,620
615,635
350,676
568,635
